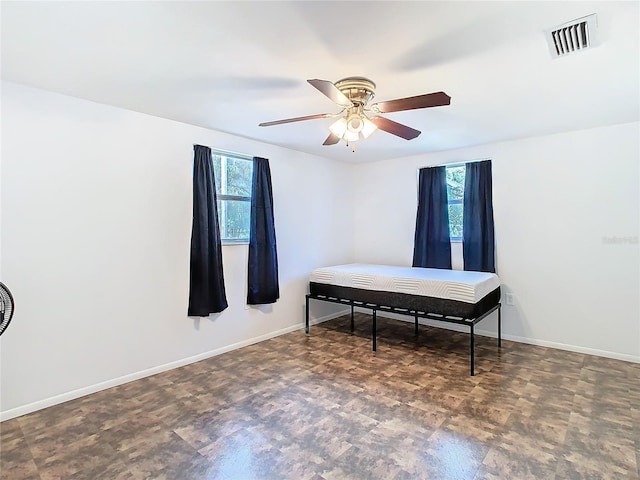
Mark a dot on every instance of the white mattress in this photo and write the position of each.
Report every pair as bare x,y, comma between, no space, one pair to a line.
462,286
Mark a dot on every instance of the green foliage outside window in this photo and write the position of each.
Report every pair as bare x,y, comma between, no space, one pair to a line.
233,187
455,195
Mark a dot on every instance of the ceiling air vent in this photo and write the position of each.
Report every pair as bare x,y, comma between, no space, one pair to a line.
572,36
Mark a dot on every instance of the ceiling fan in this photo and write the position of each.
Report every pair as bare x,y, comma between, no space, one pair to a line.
358,119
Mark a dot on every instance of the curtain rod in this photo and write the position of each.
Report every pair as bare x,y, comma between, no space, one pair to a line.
455,164
228,153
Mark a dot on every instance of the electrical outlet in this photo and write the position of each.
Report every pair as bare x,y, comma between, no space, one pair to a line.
510,299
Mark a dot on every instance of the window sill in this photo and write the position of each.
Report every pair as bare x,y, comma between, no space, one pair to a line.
234,242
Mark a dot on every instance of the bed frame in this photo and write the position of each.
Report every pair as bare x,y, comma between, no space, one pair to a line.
443,310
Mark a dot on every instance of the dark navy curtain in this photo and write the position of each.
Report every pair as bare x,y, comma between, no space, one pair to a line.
206,286
263,256
478,243
432,244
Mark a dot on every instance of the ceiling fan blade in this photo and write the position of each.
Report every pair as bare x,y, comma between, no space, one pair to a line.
332,139
296,119
331,91
395,128
436,99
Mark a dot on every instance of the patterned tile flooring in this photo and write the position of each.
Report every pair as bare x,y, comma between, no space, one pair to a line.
326,407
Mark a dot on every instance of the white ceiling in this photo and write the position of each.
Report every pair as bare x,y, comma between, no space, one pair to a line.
231,65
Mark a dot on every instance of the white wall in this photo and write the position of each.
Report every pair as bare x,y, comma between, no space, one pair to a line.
96,225
555,198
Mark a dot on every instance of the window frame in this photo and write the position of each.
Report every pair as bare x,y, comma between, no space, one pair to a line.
449,203
224,155
456,201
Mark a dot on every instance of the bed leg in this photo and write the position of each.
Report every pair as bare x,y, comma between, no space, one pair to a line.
416,325
352,325
472,359
499,326
306,318
373,332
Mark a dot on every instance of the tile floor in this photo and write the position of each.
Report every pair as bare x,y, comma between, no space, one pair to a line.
326,407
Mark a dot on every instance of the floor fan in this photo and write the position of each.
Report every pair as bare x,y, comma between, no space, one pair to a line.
6,307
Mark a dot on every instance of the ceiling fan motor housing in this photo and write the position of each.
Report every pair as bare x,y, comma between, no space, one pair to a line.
359,90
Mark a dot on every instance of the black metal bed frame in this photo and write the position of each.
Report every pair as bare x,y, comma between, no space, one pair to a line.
470,322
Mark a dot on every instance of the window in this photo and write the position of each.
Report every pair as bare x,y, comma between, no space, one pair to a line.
233,188
455,194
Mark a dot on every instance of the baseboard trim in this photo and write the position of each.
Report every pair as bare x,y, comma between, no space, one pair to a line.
81,392
573,348
530,341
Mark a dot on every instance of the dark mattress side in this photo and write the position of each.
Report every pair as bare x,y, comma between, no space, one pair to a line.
439,306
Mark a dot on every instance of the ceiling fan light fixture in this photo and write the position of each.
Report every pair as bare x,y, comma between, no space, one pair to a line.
355,123
368,127
350,136
339,127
